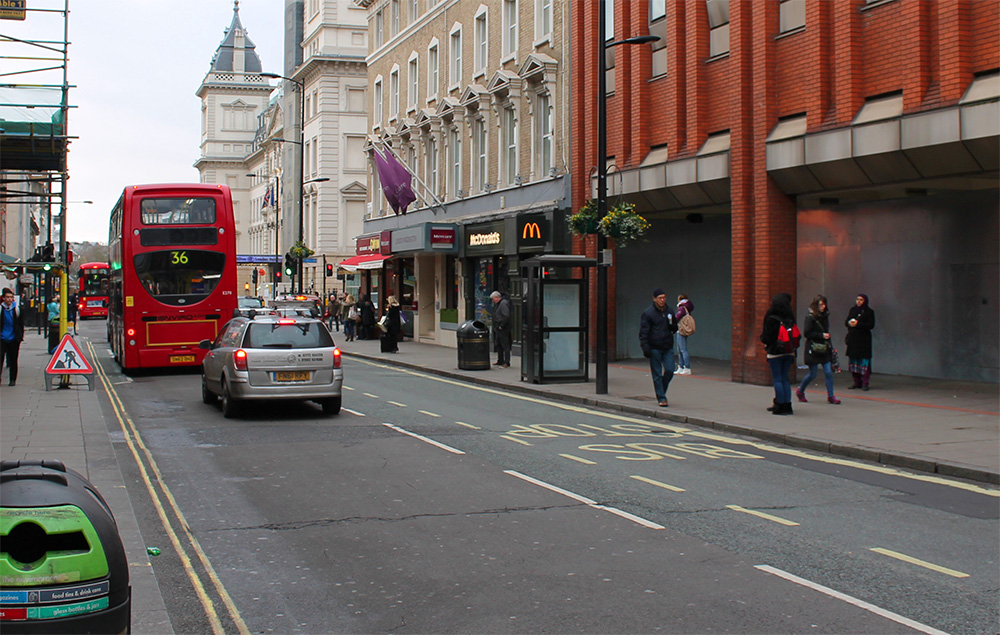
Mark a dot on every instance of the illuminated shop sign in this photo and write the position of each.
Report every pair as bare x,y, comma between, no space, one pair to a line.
533,231
477,239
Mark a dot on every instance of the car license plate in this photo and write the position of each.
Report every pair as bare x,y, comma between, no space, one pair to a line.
181,359
297,375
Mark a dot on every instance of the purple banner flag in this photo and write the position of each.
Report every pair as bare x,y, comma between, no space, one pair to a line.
396,181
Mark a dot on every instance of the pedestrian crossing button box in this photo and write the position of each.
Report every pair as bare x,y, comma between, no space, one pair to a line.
62,563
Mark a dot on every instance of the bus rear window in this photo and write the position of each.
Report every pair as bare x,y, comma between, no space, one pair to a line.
178,211
179,276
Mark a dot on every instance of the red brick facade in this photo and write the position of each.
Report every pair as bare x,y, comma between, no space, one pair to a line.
848,51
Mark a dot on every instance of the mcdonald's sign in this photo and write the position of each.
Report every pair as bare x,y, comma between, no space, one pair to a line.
533,230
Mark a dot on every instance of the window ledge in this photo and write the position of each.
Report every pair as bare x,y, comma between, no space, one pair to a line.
791,32
876,4
542,41
512,57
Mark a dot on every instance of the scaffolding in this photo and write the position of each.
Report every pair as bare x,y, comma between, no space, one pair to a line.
34,140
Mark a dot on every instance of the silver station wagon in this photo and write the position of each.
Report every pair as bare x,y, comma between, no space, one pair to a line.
272,357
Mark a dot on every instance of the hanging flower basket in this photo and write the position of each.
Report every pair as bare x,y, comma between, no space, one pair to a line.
623,224
585,221
300,251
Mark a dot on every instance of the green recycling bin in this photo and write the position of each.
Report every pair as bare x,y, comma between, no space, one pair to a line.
62,564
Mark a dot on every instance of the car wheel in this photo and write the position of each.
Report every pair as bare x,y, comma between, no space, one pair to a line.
230,408
207,396
331,406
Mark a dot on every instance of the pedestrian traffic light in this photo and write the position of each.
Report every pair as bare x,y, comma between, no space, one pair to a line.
329,270
289,265
277,272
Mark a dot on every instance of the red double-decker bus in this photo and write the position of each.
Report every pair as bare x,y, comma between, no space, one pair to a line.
92,290
172,251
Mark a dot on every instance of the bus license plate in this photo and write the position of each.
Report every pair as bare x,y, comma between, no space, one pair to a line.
292,376
181,359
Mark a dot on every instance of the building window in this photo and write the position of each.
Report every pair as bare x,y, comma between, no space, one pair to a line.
658,26
379,28
543,119
509,27
543,19
718,24
305,158
355,100
414,10
377,110
315,157
791,16
394,18
455,67
480,148
432,72
394,94
432,167
411,98
482,41
355,158
455,175
510,144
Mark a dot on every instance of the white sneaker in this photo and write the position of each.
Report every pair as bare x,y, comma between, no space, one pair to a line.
684,371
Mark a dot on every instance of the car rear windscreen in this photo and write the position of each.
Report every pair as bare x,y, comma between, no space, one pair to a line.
299,335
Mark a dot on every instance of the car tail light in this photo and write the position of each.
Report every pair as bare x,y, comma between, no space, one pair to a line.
130,332
336,358
79,305
240,359
286,321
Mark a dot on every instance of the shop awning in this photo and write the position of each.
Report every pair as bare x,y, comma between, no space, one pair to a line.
368,261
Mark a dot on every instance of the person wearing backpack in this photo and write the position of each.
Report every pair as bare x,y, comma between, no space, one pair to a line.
685,329
819,348
780,337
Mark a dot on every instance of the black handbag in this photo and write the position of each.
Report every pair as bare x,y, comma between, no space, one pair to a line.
819,348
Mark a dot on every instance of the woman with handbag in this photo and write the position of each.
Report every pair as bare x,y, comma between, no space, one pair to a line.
685,329
350,315
819,348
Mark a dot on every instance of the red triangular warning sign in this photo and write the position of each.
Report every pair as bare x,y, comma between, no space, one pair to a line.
68,359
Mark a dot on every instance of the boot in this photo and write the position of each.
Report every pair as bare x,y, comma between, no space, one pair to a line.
773,407
788,409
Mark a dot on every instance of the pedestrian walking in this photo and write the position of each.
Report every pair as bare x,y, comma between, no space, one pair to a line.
333,311
685,329
501,329
367,311
818,349
11,334
53,317
860,323
350,315
393,326
656,336
779,336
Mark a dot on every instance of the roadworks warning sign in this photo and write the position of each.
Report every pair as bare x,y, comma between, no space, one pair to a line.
68,359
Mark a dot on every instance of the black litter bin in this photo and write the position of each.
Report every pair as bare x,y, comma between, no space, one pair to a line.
62,564
473,346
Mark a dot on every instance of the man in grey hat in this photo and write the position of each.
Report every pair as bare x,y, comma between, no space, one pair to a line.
656,336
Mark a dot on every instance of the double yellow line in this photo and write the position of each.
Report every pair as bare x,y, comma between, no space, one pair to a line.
156,486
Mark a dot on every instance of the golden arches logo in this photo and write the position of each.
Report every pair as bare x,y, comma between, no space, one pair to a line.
531,230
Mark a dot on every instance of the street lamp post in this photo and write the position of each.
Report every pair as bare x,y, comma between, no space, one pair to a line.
603,258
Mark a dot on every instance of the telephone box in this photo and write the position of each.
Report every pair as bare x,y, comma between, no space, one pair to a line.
555,329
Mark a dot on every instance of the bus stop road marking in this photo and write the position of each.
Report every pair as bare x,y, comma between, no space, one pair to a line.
774,519
920,563
658,483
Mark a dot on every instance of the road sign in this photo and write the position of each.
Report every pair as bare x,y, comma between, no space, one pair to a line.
68,360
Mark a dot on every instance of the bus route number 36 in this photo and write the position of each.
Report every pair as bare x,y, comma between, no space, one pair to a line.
178,258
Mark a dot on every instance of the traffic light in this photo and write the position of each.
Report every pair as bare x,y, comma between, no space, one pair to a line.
253,275
49,253
277,272
289,265
329,270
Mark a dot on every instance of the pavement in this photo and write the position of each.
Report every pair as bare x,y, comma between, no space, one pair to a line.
937,426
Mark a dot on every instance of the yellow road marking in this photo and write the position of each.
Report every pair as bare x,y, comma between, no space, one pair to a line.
926,478
920,563
658,484
752,512
396,403
368,394
348,388
515,440
577,459
429,414
134,441
468,425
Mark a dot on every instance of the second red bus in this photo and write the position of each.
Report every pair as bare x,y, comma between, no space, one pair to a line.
92,290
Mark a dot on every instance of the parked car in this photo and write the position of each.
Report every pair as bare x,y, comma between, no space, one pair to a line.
270,357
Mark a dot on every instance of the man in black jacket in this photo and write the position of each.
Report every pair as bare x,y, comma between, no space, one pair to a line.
501,329
656,336
11,333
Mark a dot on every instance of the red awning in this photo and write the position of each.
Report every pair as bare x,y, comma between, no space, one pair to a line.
368,261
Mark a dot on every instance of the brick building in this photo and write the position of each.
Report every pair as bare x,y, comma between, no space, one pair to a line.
810,147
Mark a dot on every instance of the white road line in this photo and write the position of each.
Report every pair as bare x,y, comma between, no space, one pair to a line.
348,388
353,412
429,414
920,563
773,519
467,425
515,440
586,501
895,617
577,459
368,394
447,448
396,403
657,483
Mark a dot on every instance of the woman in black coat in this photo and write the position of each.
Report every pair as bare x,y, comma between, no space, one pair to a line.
367,310
393,326
778,315
860,322
819,348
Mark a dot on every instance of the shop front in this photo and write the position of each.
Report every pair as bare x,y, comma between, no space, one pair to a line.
423,277
368,265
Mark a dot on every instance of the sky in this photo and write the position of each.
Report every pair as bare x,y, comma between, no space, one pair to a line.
136,66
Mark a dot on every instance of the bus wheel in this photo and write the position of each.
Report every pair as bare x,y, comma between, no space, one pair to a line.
230,408
331,406
207,396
